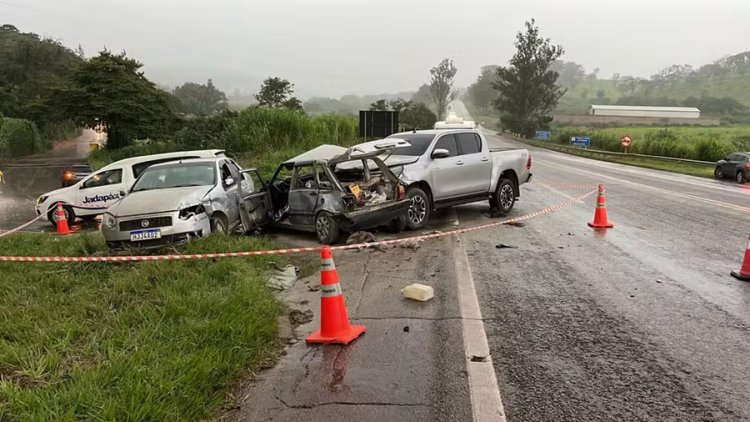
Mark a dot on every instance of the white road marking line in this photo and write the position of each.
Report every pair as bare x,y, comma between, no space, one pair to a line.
486,404
653,188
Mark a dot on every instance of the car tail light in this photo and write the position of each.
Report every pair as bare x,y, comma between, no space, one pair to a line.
68,175
747,165
528,163
400,193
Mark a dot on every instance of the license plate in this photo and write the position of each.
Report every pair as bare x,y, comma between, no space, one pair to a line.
149,234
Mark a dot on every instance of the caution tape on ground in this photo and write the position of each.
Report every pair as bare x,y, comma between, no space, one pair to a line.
564,185
366,245
21,227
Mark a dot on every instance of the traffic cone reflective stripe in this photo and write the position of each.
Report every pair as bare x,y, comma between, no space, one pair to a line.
744,272
334,321
61,220
600,213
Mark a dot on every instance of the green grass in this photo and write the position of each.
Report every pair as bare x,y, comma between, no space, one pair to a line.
687,133
133,341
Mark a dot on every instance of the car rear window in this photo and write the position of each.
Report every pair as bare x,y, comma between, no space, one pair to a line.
140,167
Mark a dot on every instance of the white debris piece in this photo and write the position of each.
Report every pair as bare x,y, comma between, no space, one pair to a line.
418,292
282,278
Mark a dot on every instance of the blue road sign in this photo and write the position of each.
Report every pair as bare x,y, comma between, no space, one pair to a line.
580,141
543,134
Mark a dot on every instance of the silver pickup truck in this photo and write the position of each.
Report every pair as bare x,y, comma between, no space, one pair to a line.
443,168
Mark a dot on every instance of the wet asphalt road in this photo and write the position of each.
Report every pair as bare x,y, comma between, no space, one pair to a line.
640,322
29,177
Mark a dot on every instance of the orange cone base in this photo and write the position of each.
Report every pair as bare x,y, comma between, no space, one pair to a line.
345,338
740,276
607,225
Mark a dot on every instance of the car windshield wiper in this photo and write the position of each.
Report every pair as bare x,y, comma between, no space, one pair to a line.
187,185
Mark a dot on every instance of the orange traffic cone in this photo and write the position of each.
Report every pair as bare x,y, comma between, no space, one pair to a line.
334,322
62,222
744,273
600,214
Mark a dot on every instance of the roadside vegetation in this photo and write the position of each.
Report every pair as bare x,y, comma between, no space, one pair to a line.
129,341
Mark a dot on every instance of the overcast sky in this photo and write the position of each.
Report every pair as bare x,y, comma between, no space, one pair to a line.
338,47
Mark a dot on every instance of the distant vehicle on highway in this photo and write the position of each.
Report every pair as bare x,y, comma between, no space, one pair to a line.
736,166
74,174
94,194
176,201
444,168
453,121
328,190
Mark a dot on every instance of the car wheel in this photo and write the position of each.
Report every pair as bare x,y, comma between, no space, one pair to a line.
70,215
505,197
326,228
718,174
419,208
218,225
740,177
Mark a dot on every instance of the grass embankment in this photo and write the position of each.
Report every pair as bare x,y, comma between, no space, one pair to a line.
651,163
129,341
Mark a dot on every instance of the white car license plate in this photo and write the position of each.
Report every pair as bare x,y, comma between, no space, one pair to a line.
149,234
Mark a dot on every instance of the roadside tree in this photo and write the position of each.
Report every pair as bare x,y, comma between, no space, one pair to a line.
527,88
111,88
199,99
277,92
441,85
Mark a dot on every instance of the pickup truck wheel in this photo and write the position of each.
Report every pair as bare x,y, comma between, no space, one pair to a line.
326,228
70,215
504,198
419,208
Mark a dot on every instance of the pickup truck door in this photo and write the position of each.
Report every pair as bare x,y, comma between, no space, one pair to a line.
449,173
255,201
477,162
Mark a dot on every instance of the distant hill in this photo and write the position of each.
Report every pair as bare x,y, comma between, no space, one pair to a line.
722,87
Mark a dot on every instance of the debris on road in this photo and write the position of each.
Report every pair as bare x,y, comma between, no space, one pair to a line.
406,328
286,332
300,317
314,288
411,244
504,246
282,278
361,237
418,292
475,358
516,224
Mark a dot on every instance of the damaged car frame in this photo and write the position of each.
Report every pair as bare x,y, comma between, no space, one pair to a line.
327,191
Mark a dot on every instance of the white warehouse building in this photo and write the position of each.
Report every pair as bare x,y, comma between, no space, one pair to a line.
645,111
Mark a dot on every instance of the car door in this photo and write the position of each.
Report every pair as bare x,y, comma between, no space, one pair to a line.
448,174
730,167
303,195
230,179
255,205
101,189
477,162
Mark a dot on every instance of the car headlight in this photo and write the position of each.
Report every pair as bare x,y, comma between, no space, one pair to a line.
188,212
109,221
42,199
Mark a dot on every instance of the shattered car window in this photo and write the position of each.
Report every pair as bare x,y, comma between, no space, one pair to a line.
419,143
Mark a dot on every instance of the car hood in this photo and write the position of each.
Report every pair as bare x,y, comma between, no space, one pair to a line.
159,200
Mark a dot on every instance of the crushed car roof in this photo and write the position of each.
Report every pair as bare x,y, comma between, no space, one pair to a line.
323,152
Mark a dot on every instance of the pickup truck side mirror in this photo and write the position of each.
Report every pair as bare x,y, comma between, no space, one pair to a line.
441,153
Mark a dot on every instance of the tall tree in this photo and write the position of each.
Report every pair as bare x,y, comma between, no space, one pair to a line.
528,92
481,93
112,89
277,92
200,100
417,116
441,85
379,105
571,73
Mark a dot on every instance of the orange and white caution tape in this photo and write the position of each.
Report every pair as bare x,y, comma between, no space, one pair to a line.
138,258
21,227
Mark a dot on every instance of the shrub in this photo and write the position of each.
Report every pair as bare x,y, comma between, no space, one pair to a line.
712,149
19,137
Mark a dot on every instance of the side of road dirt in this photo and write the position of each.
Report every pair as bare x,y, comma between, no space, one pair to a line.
409,364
